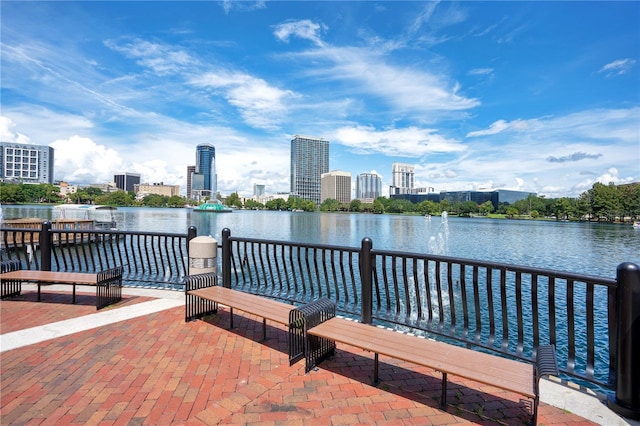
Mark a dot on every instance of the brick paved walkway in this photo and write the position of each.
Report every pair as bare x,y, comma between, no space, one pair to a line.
159,370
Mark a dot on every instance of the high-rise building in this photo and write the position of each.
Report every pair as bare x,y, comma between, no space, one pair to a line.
309,160
190,171
126,181
26,163
336,185
259,192
402,178
368,187
204,181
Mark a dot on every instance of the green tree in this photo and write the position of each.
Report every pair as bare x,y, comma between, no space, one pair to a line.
562,208
253,205
154,200
605,200
9,194
445,206
512,212
428,207
116,198
378,206
398,205
486,208
355,205
630,200
176,201
329,205
467,208
233,200
277,204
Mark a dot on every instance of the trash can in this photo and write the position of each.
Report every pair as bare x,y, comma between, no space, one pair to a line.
202,255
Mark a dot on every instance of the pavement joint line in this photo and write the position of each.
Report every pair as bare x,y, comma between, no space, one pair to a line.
30,336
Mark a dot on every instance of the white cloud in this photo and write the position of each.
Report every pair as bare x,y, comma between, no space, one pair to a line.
618,67
500,126
8,132
80,159
598,124
480,71
410,90
261,105
162,59
304,29
409,142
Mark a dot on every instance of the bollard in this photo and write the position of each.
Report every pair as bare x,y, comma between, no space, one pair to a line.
226,258
192,232
627,397
203,255
46,246
367,284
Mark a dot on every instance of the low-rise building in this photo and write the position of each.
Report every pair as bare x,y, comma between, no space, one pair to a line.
156,188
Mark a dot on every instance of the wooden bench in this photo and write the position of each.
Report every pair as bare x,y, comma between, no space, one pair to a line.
203,296
502,373
108,283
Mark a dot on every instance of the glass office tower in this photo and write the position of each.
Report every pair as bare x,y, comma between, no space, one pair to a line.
205,180
309,160
368,186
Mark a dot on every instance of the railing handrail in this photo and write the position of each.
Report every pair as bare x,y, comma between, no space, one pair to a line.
500,265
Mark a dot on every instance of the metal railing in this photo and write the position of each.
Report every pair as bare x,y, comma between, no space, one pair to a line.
148,258
505,309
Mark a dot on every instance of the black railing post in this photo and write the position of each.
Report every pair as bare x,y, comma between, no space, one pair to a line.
365,277
192,232
46,247
226,258
627,387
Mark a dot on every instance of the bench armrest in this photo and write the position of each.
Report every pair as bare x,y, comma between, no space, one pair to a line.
546,362
302,319
10,265
111,275
197,281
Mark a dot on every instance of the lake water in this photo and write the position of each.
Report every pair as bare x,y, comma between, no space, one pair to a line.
594,249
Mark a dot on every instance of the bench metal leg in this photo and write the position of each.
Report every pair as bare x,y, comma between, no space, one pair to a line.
74,294
231,318
443,398
10,288
38,291
196,307
376,378
264,329
108,288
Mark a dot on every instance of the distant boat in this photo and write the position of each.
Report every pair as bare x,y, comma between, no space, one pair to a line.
214,206
101,215
636,224
427,216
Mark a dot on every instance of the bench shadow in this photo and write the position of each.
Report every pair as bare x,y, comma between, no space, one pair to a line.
250,327
421,385
82,299
425,388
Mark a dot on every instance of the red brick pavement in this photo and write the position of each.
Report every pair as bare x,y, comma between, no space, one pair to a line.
159,370
13,312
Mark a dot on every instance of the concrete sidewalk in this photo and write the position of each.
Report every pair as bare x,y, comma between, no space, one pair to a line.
140,363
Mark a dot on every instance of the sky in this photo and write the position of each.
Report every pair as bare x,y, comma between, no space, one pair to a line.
532,96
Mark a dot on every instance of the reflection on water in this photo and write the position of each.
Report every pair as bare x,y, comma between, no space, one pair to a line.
576,247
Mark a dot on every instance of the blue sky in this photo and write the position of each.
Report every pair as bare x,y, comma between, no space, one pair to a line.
534,96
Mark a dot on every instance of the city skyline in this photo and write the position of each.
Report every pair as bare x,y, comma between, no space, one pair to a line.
536,96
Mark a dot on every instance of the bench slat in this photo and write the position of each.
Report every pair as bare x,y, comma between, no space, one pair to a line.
270,309
484,368
52,277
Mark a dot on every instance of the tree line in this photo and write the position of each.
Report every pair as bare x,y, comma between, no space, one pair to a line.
608,203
